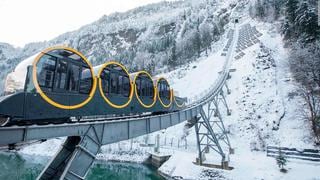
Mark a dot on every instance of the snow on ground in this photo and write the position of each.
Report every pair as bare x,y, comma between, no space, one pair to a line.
125,151
265,111
294,131
182,80
47,148
184,169
186,85
186,80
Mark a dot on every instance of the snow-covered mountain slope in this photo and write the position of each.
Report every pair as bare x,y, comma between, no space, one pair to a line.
182,80
154,37
8,59
265,111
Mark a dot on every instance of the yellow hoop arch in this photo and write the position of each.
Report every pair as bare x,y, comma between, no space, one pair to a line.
101,90
164,105
45,97
175,100
154,89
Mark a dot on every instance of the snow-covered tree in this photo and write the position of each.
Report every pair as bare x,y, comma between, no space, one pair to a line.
260,9
307,22
277,4
305,65
291,9
205,30
172,62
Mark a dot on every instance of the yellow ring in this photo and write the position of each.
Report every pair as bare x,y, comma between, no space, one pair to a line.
101,90
44,96
154,89
164,105
174,97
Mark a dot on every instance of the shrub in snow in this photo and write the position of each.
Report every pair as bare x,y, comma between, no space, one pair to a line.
281,161
211,174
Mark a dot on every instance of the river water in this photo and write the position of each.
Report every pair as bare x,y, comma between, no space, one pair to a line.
14,166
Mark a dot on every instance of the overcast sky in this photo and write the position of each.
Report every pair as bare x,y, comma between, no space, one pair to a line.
24,21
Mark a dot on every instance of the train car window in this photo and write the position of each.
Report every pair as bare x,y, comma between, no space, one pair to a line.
126,86
120,84
167,92
148,92
85,81
152,91
60,80
74,74
164,90
45,71
113,82
161,89
143,87
147,88
105,77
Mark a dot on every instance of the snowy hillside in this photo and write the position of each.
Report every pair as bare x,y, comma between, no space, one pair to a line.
155,37
265,112
266,107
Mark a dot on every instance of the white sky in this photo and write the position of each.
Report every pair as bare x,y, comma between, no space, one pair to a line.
24,21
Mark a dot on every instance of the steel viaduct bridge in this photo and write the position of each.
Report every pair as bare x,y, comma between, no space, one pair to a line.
85,138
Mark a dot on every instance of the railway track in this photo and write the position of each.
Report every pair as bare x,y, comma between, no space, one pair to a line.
85,137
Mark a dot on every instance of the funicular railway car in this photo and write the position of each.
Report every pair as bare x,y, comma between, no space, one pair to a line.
59,84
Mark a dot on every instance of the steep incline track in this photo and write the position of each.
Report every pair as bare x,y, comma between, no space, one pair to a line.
129,126
86,137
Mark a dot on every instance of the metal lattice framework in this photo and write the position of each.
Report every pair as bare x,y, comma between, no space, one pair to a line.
210,129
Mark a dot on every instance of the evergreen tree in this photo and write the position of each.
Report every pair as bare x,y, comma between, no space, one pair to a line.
289,26
277,4
307,22
206,37
172,62
291,9
251,11
281,161
197,40
215,31
287,29
260,9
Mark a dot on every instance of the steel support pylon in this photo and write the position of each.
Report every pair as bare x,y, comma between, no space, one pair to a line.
210,130
75,157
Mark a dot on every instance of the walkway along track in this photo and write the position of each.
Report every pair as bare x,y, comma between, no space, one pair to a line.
77,154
